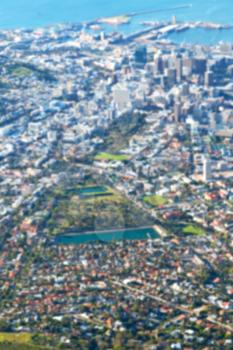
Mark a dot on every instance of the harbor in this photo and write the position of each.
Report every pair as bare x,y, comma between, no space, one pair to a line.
180,28
177,31
126,18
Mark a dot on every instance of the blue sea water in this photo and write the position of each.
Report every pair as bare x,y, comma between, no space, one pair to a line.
37,13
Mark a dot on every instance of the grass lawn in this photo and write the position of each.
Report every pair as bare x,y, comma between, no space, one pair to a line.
109,197
22,338
93,190
21,341
22,72
96,209
155,200
85,192
19,70
193,230
110,156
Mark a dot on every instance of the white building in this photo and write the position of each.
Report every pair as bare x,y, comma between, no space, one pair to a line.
121,97
207,174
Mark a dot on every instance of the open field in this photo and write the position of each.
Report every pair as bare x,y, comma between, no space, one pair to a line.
22,338
25,341
94,211
113,157
155,200
193,230
26,70
23,346
22,72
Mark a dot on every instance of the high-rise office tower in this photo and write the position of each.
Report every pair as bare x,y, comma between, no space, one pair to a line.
199,66
159,67
121,97
140,55
179,69
207,174
209,79
177,112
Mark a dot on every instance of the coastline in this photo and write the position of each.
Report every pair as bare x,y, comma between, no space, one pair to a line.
164,29
125,18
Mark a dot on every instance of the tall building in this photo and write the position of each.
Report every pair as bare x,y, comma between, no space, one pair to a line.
199,66
209,79
159,67
187,66
212,120
207,174
179,69
121,97
140,55
185,89
150,53
171,75
177,112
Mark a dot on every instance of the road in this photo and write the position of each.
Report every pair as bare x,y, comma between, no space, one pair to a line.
189,313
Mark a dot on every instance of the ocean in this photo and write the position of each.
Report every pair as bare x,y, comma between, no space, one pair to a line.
38,13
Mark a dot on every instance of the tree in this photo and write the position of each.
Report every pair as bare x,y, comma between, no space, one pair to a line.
4,326
93,345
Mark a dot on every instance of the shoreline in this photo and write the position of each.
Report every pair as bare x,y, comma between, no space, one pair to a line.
110,25
119,29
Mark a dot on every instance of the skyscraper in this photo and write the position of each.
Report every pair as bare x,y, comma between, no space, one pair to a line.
179,69
121,97
209,79
199,66
207,174
140,55
159,67
177,112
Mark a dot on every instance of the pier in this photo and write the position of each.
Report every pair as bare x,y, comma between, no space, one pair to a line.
148,12
125,18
